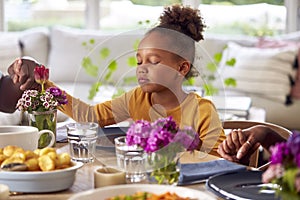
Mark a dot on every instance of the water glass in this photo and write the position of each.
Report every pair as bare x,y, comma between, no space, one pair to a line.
132,159
82,137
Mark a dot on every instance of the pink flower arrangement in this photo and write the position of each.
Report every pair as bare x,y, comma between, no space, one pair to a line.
284,169
163,141
162,132
44,100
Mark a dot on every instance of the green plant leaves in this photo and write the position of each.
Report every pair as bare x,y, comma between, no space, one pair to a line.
136,45
212,67
104,53
218,57
132,61
190,81
231,62
210,89
113,65
230,82
89,67
94,89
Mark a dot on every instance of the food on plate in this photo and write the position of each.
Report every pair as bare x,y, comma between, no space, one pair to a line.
47,159
149,196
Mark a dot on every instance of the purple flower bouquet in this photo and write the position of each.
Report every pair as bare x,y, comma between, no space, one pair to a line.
284,170
163,141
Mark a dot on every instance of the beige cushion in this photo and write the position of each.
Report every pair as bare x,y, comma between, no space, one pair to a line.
292,41
9,50
264,72
35,43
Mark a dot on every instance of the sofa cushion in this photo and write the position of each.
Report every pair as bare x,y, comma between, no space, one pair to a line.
67,52
34,43
291,41
9,49
264,72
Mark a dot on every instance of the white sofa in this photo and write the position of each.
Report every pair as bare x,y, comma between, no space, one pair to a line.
62,50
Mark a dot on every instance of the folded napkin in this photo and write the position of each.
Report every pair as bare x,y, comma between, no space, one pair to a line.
198,172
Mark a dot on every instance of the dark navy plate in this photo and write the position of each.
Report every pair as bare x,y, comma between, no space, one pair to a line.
241,185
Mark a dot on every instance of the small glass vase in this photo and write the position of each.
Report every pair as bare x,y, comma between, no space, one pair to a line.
163,168
46,120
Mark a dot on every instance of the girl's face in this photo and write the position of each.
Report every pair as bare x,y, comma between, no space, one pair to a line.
158,69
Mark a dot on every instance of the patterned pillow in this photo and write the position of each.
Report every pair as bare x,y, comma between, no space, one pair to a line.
263,72
269,43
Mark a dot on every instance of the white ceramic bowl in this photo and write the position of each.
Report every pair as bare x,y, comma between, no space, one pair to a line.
111,191
40,182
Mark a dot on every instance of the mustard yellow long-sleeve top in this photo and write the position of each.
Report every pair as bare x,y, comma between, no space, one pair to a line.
194,111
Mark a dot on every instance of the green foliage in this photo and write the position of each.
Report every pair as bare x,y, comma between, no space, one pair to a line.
89,67
18,25
243,2
243,28
190,81
287,189
209,89
230,82
155,2
263,30
92,69
131,61
144,23
212,67
94,89
104,52
231,62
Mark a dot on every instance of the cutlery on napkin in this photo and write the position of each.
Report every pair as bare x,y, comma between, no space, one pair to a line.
191,173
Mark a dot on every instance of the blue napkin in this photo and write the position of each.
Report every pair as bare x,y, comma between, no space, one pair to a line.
198,172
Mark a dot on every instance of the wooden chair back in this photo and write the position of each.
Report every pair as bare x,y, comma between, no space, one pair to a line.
285,133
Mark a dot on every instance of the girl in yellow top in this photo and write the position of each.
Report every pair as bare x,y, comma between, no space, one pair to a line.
165,58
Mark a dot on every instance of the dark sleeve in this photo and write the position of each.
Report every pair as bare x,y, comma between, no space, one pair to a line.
9,94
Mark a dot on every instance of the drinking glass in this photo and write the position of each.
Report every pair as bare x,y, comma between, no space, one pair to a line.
82,137
132,159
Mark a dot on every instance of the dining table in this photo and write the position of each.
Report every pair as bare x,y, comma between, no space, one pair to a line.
84,179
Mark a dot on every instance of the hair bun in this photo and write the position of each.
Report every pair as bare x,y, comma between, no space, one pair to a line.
183,19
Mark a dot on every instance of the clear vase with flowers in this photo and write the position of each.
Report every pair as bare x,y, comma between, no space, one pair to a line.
163,142
42,105
284,170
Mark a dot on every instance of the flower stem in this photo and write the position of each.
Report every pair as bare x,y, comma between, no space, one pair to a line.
43,87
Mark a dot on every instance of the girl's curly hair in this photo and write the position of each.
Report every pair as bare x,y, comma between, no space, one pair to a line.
183,19
189,23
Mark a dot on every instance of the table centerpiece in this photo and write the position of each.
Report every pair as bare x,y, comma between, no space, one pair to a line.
284,170
163,142
41,105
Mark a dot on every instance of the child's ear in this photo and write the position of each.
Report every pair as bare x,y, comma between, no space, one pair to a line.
185,67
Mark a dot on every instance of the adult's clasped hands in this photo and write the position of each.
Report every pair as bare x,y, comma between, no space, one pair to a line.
22,71
239,145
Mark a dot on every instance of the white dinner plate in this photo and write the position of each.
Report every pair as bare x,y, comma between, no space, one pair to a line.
111,191
38,181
